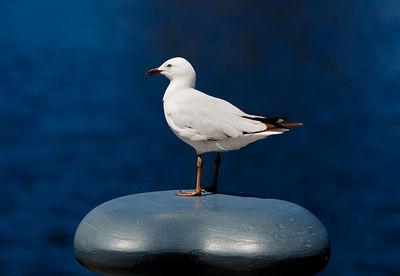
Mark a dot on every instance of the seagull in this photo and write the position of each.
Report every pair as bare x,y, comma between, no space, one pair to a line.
207,123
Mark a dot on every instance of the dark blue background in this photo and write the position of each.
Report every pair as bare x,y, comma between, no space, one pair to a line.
81,124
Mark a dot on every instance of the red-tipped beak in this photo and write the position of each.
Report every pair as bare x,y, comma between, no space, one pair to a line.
154,71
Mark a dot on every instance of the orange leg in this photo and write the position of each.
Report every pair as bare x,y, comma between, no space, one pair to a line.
197,192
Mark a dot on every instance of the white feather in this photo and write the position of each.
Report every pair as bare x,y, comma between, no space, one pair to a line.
205,122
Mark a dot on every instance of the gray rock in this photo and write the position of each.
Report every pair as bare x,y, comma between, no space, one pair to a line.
216,234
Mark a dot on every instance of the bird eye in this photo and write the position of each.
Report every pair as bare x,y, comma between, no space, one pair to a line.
169,65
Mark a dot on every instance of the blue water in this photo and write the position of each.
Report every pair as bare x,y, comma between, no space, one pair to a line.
81,124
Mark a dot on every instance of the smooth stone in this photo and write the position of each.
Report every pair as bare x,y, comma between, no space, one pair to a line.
215,234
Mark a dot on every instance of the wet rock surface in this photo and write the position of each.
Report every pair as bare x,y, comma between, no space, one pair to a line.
215,234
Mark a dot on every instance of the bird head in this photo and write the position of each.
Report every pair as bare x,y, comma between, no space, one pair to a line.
176,69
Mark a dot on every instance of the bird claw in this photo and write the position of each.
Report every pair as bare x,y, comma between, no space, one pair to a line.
184,193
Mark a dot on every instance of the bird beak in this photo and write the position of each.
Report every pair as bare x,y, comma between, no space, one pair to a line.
154,71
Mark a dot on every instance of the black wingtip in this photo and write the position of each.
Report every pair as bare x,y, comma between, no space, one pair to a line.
275,121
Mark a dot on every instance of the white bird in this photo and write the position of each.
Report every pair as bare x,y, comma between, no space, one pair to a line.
207,123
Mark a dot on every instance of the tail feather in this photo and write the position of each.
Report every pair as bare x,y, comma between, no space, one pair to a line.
289,125
274,124
283,126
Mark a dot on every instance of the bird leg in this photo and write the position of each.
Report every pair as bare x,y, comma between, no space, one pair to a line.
213,187
197,192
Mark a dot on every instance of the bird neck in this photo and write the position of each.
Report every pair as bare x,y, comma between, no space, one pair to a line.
179,84
176,86
183,82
